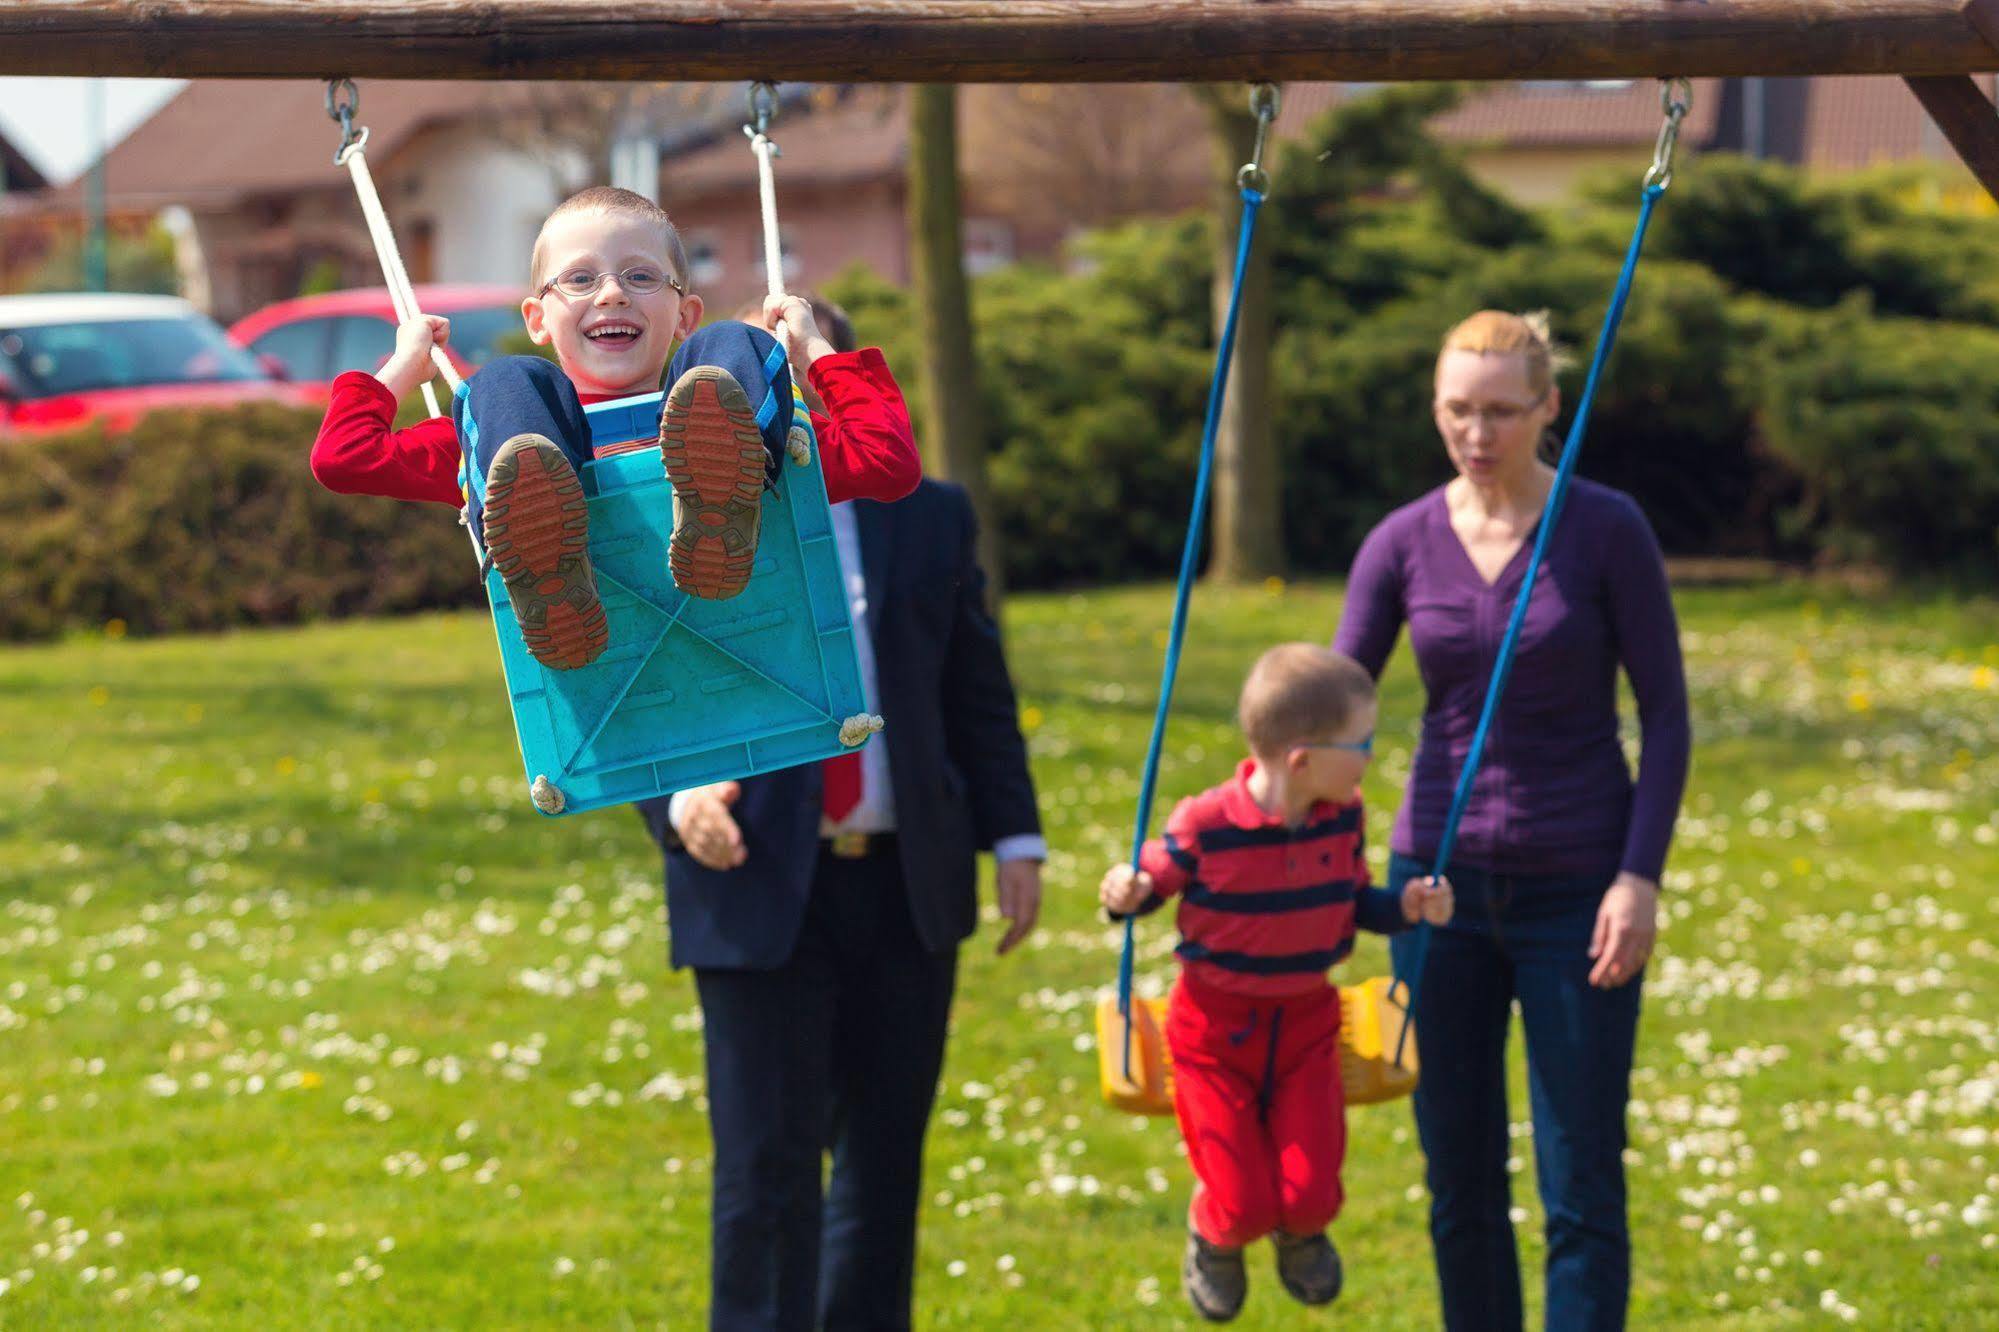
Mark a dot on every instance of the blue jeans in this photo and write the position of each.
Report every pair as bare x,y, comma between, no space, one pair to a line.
1525,938
526,395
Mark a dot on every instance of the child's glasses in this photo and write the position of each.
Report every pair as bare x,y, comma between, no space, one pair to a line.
1363,746
1497,415
580,284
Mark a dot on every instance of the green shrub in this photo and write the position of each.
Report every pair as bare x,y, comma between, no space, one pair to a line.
1892,429
203,520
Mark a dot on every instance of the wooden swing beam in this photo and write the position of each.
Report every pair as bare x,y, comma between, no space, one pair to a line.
1934,44
991,41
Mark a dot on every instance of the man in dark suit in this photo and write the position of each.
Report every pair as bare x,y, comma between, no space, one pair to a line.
821,909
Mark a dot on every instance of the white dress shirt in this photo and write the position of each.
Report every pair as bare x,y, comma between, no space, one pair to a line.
876,812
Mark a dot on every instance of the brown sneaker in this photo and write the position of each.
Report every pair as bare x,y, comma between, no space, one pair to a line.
714,455
537,527
1214,1279
1309,1267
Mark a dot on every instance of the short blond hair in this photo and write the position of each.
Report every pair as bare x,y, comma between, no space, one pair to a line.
1498,333
609,201
1300,692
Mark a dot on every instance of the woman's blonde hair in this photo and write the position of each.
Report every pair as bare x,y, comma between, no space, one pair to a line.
1499,333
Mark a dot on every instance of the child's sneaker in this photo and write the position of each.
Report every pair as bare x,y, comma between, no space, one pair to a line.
715,457
1309,1267
537,526
1214,1279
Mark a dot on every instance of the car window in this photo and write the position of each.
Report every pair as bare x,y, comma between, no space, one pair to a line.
480,333
360,342
301,346
45,360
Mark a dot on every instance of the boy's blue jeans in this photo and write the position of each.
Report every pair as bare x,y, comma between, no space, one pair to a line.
1524,938
520,395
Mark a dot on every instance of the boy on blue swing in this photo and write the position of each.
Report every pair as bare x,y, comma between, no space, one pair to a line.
1272,879
609,293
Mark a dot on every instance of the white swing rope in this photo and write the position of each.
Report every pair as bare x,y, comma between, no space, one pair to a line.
402,295
353,155
763,108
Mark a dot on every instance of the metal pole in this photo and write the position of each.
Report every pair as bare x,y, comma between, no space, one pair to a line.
96,259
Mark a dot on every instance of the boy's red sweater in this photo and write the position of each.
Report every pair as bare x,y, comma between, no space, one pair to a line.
866,447
1265,909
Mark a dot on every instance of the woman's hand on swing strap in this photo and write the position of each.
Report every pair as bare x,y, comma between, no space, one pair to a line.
790,318
1430,899
1124,889
1627,925
408,367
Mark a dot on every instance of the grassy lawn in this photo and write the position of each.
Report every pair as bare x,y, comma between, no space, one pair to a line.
308,1020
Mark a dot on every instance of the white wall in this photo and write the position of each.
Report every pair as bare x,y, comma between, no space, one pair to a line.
485,199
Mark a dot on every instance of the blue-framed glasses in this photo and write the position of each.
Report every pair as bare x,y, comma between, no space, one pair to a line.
1363,746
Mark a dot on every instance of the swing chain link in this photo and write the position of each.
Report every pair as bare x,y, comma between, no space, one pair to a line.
1263,104
763,110
1676,98
343,102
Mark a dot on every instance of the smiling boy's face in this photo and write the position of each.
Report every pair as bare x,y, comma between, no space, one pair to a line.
615,342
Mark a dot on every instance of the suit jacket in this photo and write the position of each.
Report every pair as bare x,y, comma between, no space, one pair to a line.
956,759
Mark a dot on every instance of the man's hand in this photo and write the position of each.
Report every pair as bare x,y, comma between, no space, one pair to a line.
1124,889
803,342
408,366
1428,899
708,829
1627,925
1019,884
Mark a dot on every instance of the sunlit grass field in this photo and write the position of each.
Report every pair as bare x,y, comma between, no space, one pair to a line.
308,1020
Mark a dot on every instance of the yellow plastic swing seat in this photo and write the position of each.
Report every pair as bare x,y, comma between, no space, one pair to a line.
1370,1023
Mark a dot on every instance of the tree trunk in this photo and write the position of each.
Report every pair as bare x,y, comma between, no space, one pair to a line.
953,431
1248,512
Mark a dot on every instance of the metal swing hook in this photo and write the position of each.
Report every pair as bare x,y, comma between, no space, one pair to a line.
763,110
1676,98
1263,103
343,102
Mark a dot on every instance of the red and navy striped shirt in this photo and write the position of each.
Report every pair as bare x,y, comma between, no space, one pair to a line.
1265,908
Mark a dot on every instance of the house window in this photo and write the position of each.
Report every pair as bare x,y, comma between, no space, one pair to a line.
988,245
1577,85
704,263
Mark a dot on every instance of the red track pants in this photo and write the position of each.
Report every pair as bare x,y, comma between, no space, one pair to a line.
1256,1086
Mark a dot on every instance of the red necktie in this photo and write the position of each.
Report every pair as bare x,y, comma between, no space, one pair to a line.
842,791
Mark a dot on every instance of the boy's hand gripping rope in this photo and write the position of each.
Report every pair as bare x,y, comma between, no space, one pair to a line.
343,99
1675,98
1254,183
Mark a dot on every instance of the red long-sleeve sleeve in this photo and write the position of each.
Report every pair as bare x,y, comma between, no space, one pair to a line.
866,447
359,453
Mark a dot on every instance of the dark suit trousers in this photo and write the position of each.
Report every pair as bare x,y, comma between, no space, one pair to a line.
839,1048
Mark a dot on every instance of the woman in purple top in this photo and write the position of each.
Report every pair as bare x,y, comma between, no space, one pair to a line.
1559,853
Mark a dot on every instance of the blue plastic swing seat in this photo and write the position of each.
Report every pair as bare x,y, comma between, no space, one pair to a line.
688,690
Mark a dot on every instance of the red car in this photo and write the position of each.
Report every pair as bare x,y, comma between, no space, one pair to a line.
312,339
76,359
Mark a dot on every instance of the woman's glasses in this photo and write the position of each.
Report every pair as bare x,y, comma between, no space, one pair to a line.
1497,415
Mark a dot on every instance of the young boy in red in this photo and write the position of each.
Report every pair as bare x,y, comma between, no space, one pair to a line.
610,296
1272,883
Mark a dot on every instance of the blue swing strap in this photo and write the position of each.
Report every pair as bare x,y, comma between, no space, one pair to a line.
1676,96
1254,184
773,362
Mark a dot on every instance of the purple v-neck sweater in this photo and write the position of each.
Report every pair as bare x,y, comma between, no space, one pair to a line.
1553,795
